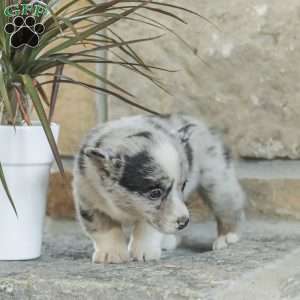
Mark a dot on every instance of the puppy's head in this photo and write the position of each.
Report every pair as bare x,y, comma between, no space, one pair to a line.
148,182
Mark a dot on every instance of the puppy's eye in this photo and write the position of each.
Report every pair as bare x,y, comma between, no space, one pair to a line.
155,194
117,163
183,186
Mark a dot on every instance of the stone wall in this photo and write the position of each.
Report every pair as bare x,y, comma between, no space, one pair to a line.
75,111
249,85
76,108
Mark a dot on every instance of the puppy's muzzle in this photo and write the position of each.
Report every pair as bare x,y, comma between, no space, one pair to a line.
182,222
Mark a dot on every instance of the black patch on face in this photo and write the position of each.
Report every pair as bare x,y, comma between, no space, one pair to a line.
138,168
227,155
87,215
143,134
81,162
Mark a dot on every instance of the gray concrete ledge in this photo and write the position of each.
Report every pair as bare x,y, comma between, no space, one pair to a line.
264,265
268,169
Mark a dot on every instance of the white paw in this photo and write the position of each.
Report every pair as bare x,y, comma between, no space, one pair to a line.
170,242
223,241
220,243
115,255
145,243
232,238
144,252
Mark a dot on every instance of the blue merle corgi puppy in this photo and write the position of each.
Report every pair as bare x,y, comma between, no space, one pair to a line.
140,171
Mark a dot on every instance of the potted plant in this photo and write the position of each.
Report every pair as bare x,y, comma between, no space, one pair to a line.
36,41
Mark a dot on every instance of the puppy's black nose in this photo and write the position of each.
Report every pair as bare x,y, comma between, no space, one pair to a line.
182,222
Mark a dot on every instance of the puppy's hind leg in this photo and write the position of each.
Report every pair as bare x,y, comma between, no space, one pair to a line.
225,197
110,244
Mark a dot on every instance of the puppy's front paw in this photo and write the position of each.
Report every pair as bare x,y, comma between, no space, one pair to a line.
223,241
111,248
140,251
116,255
170,242
145,243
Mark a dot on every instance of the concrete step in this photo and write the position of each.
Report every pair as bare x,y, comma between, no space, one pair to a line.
264,265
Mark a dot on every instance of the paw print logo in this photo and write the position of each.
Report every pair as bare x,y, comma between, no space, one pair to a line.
24,32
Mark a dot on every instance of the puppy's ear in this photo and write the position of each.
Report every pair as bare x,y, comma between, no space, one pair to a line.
185,132
99,154
105,159
183,136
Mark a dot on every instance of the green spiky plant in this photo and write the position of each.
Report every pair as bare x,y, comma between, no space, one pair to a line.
25,71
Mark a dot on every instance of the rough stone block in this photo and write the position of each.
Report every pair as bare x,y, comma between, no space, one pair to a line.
249,88
60,199
268,197
274,197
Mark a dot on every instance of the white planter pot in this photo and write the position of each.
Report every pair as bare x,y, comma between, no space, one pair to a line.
26,158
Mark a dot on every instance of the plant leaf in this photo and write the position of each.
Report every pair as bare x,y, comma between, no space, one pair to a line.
29,87
41,91
93,30
21,106
106,91
4,184
94,75
4,94
55,89
178,7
